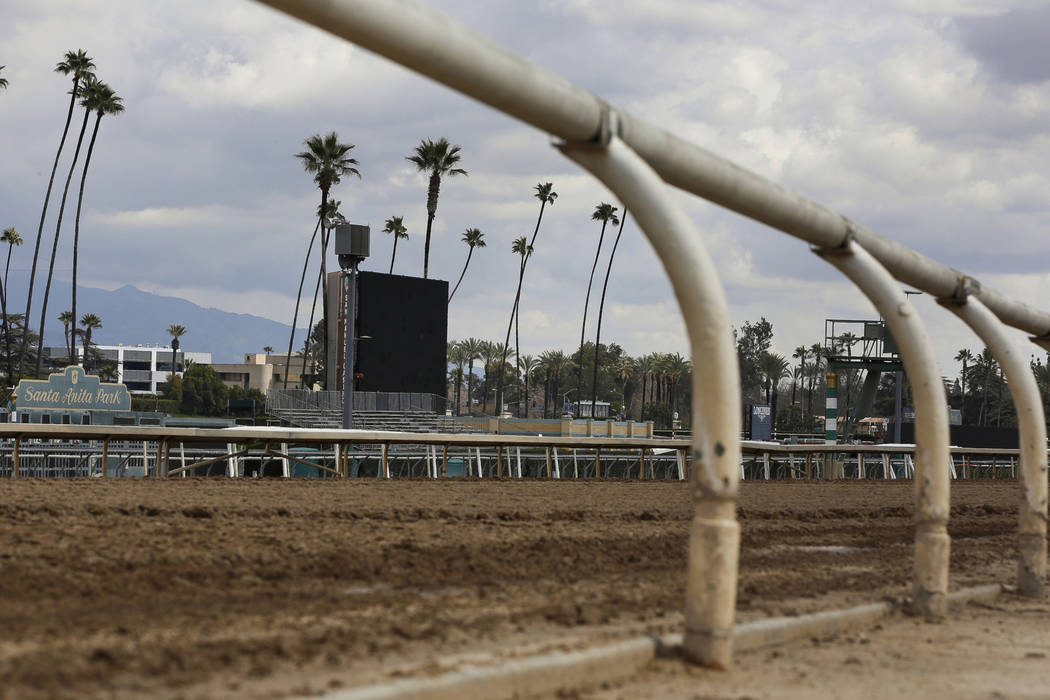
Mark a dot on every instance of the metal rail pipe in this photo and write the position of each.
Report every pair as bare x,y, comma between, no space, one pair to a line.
1031,423
932,455
425,41
714,542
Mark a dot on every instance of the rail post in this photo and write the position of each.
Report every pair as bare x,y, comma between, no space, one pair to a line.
932,543
714,542
1031,422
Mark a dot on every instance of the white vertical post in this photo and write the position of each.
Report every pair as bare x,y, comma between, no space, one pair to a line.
575,465
231,462
286,467
557,469
481,470
765,465
182,458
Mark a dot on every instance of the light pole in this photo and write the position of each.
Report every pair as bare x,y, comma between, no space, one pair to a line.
898,414
351,245
563,397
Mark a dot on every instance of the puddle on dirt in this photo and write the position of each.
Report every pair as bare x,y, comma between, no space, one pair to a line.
813,549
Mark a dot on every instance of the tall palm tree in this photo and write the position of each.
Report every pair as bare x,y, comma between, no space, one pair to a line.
605,213
475,239
438,158
519,247
103,100
66,319
816,351
79,65
646,366
472,349
625,373
90,323
176,331
12,239
329,162
489,354
395,226
324,212
456,355
601,310
268,349
86,88
800,354
544,192
964,356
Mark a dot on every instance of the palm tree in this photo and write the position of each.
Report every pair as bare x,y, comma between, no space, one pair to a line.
103,100
176,331
79,65
395,226
3,81
601,310
472,349
800,354
624,372
605,213
675,367
475,239
326,211
329,162
774,367
89,322
519,247
817,353
84,90
268,349
646,366
12,239
964,356
438,158
489,353
455,354
528,365
66,319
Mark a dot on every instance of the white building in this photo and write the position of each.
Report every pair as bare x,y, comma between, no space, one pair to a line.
142,368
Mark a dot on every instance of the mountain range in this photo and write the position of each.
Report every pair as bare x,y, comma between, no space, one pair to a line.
131,316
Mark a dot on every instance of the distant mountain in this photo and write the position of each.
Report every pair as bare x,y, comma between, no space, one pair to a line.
132,316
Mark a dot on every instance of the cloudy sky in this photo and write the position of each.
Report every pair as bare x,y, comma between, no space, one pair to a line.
924,119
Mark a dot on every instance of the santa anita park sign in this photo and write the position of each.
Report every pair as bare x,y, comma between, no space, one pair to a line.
72,389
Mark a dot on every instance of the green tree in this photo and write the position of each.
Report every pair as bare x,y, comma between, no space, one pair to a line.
203,393
966,357
395,225
102,100
601,308
474,238
605,213
329,162
79,65
801,354
268,349
752,340
176,331
454,355
90,323
553,363
528,365
438,159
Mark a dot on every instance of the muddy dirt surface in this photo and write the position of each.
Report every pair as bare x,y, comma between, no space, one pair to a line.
266,588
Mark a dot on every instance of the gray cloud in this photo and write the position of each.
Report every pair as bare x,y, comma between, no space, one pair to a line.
1012,44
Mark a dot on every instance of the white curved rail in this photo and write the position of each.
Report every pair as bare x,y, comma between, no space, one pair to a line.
714,541
1031,423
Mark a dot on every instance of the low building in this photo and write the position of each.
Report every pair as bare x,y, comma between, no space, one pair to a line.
261,371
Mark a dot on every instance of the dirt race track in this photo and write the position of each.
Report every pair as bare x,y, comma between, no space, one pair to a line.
267,588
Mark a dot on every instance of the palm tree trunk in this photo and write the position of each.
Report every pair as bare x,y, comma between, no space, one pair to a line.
40,230
432,204
324,287
601,310
465,265
310,325
510,324
583,326
76,228
298,297
470,387
517,348
394,254
6,327
54,246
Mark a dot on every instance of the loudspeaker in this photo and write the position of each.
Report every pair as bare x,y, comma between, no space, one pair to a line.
351,239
